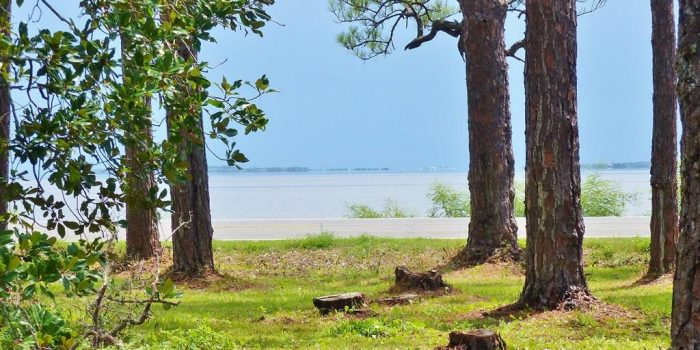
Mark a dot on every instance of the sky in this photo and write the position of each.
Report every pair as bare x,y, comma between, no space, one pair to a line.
408,110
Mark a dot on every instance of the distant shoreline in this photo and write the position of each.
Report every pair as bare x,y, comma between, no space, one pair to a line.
645,166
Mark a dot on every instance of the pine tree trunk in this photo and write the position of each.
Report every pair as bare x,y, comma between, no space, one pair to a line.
685,317
5,110
664,187
191,217
142,237
492,226
553,180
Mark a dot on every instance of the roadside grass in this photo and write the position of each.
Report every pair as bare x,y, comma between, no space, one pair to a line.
263,299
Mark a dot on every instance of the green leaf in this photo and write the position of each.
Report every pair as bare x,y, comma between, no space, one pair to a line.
262,84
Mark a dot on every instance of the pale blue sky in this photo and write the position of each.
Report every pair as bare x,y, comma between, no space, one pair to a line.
408,109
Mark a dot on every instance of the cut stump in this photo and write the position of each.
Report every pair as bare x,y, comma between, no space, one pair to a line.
339,302
425,281
480,339
402,299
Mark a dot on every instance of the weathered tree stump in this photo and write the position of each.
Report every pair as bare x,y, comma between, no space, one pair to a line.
402,299
426,281
339,302
480,339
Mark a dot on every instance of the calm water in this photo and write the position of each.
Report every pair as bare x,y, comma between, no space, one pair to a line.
327,195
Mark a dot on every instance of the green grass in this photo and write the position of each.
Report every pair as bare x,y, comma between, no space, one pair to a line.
263,301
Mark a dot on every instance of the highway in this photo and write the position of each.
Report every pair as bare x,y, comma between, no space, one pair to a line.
629,226
265,229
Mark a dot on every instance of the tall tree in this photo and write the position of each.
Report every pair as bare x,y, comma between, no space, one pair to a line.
480,32
685,328
664,186
191,215
491,164
142,238
555,228
5,101
191,21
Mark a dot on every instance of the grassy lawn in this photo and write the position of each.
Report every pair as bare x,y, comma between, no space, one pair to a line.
263,300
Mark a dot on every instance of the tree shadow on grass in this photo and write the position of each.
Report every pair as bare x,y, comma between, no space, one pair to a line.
651,279
502,314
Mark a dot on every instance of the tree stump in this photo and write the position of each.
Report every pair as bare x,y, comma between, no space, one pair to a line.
402,299
339,302
426,281
480,339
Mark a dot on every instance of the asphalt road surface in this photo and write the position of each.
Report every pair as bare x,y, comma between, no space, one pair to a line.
628,226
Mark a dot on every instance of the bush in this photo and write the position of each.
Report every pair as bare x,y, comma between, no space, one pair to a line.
391,210
448,202
601,197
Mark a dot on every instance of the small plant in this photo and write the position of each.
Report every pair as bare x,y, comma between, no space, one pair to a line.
319,241
600,197
582,319
448,202
376,328
391,210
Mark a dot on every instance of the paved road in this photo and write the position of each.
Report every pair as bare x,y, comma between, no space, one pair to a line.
629,226
411,227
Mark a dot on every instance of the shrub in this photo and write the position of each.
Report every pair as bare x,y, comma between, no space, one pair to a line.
447,202
391,210
600,197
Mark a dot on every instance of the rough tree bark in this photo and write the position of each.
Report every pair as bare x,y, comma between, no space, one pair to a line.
5,110
685,317
142,238
553,180
191,218
492,226
664,187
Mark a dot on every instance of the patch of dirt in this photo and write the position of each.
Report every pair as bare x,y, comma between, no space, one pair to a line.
598,310
122,267
220,282
301,262
499,256
494,270
283,320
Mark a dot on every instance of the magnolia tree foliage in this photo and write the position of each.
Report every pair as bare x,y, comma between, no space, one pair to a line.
83,107
75,108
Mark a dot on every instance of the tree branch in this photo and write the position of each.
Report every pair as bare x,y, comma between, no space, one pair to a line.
511,52
452,28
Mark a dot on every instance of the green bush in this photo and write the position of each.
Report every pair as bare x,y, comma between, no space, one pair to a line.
391,210
600,197
447,202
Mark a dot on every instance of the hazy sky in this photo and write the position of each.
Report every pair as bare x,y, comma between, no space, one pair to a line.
408,109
